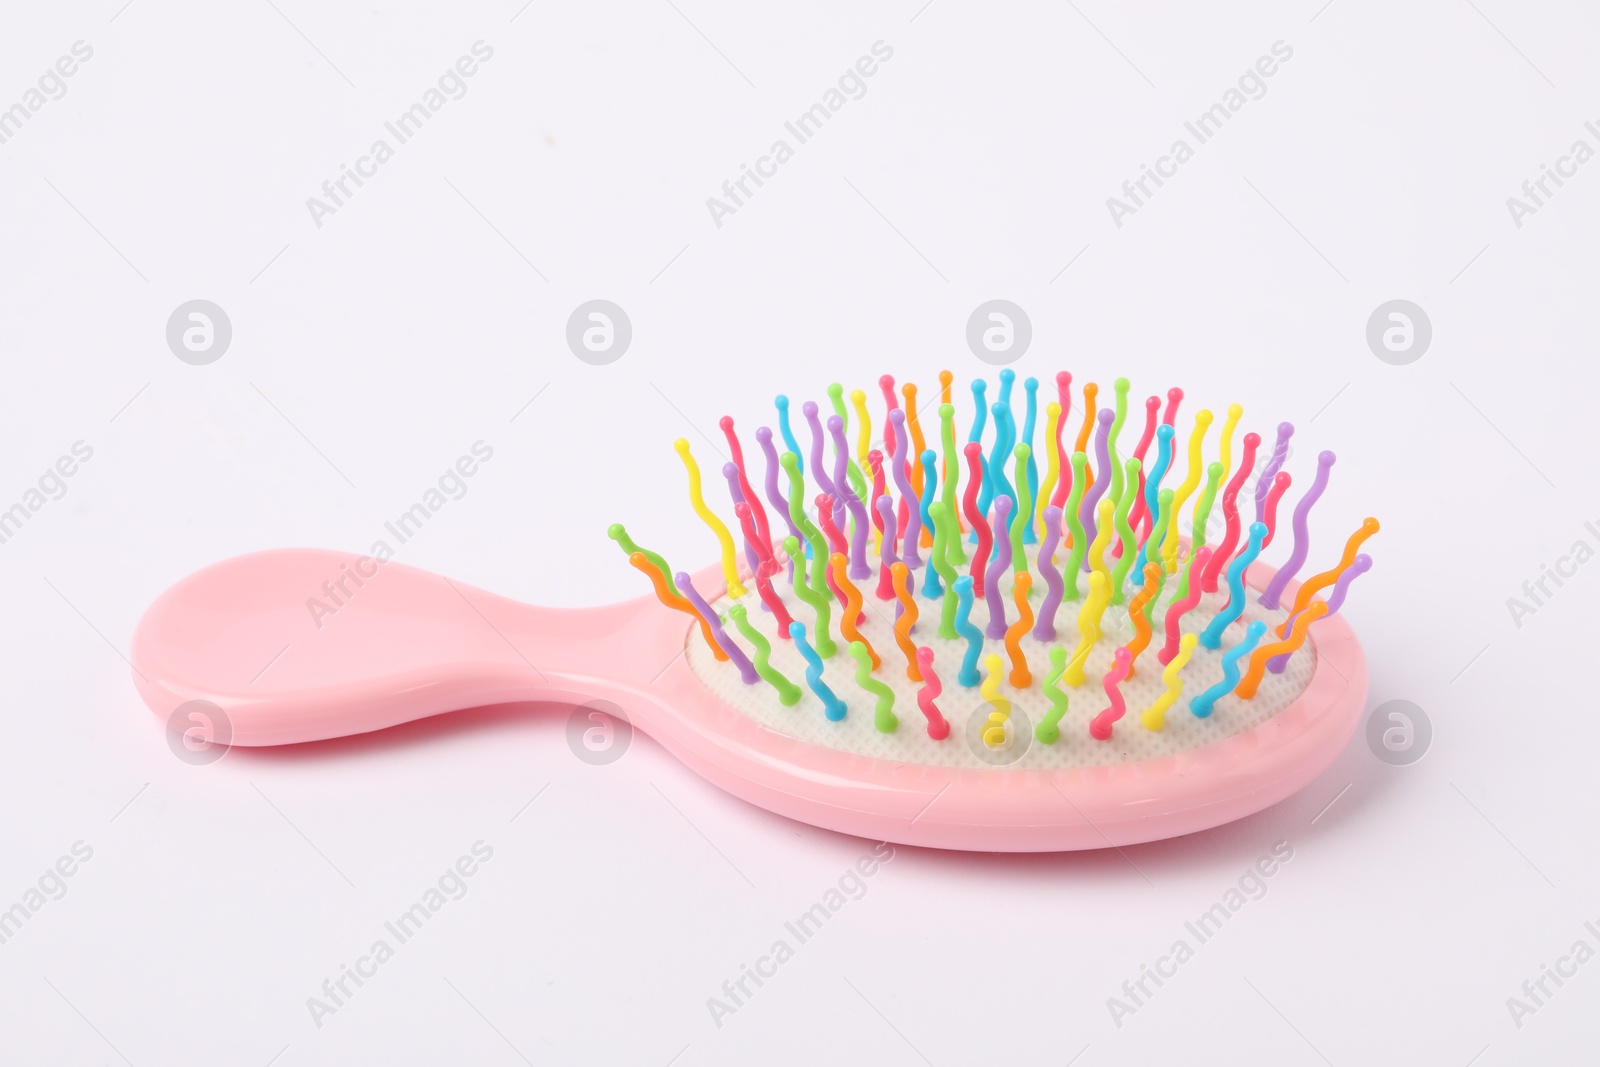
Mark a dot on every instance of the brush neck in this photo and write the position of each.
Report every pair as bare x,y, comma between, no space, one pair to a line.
304,644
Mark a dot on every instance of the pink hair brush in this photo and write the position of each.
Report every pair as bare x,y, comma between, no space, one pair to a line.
934,648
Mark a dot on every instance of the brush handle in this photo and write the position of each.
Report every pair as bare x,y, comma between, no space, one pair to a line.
305,644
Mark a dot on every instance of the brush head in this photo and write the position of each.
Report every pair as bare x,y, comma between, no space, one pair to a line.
897,581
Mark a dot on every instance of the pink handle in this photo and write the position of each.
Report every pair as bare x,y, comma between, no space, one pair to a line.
306,644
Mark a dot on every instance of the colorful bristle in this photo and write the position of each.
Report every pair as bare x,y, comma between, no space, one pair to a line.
887,559
1179,607
973,636
1280,452
994,731
832,706
909,516
946,536
852,484
1174,398
1202,704
1302,536
1045,628
907,619
1049,728
883,717
1155,716
1110,460
938,726
730,560
1100,726
1098,486
1230,513
1191,481
954,553
1136,487
788,692
1052,473
747,670
997,569
1020,676
980,525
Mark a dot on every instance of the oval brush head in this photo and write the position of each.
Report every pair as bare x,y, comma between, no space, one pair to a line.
928,611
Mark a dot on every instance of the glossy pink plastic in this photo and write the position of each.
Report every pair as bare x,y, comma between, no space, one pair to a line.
409,644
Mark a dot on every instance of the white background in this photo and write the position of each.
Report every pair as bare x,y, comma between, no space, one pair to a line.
371,352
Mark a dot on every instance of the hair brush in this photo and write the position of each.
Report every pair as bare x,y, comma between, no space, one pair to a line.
929,646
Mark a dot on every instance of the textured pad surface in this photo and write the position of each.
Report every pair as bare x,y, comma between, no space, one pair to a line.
967,711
